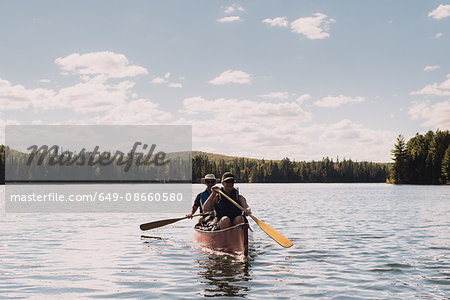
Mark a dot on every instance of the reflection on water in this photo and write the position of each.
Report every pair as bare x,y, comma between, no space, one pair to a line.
224,275
150,237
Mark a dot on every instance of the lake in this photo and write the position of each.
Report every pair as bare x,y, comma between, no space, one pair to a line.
350,241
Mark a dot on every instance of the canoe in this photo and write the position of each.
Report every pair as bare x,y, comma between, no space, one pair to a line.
232,240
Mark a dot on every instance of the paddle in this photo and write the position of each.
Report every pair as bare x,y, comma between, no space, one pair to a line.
275,235
160,223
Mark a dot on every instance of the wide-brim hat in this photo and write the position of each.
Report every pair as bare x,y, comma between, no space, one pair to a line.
208,177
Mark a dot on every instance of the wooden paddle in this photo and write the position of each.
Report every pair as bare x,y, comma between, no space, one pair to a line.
160,223
275,235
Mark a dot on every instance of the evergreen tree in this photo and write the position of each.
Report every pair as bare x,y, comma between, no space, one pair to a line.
399,168
445,171
424,161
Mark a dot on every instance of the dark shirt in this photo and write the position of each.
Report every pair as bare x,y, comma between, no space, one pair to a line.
225,208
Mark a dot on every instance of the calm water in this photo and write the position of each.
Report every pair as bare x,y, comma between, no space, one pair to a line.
350,241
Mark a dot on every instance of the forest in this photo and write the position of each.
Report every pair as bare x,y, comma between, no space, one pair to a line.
244,169
67,166
423,159
287,171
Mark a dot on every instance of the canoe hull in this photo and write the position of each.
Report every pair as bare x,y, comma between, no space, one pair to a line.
232,240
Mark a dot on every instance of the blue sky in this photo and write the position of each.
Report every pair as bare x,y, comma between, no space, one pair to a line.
264,79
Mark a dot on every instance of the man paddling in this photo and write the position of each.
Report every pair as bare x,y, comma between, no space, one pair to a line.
210,180
227,213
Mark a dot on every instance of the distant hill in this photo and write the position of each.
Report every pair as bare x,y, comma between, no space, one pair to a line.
215,157
227,158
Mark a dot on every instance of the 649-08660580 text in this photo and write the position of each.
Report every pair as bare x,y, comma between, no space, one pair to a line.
96,196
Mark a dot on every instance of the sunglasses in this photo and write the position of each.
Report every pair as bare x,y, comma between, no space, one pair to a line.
210,181
229,181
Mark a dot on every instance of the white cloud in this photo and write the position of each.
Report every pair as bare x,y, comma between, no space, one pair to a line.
258,124
175,85
351,140
19,97
441,12
438,35
315,27
233,8
159,80
109,64
276,22
229,19
253,128
431,68
3,123
134,112
436,89
45,80
432,89
276,95
165,80
274,130
250,110
194,105
231,76
303,98
93,95
446,84
436,115
331,101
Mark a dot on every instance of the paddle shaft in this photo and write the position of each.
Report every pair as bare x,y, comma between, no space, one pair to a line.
275,235
231,200
235,203
197,215
160,223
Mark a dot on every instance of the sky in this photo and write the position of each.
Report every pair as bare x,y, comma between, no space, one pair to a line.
261,79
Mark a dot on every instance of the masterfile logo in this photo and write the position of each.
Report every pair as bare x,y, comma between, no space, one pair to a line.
68,158
157,153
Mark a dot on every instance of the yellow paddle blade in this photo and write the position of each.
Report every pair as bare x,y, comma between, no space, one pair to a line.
275,235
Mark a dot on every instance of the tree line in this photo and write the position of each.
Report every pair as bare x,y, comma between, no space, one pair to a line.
24,167
287,171
423,159
2,164
244,169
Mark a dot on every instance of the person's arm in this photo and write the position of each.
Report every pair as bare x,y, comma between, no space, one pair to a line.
194,209
244,204
211,201
194,206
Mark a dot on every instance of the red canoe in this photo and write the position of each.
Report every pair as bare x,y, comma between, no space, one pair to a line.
230,240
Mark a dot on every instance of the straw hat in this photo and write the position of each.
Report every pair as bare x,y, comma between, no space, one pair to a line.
208,177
